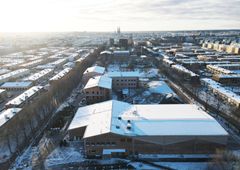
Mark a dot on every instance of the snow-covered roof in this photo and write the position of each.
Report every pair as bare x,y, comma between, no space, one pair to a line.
100,81
110,151
121,52
29,64
13,74
221,90
229,76
24,96
61,74
96,69
3,71
2,91
183,69
123,74
23,84
223,70
38,75
8,114
145,120
105,52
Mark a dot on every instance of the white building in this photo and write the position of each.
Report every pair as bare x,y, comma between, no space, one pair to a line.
146,129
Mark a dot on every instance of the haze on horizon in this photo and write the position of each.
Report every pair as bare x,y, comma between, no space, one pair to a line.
106,15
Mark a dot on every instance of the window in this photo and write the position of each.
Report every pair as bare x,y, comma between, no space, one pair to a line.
129,140
93,151
122,140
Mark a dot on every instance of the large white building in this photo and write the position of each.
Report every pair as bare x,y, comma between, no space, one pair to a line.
146,129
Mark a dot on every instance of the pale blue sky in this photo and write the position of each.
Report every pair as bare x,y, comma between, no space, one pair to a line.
106,15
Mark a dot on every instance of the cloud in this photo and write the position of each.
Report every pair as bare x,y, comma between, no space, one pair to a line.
101,15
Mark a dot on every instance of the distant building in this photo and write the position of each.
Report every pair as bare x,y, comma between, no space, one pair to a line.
123,42
118,30
13,75
121,56
39,76
16,86
92,72
25,97
60,75
220,91
98,89
122,80
115,128
111,41
233,79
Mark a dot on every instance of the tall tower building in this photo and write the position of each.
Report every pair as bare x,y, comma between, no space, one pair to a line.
118,30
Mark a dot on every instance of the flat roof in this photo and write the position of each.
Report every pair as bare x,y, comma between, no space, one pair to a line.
99,81
145,120
22,84
123,74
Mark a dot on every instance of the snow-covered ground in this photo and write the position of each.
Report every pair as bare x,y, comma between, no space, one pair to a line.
140,165
64,155
185,165
159,87
151,73
24,161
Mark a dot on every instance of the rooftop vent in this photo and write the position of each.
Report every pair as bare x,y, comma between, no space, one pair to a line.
119,118
118,127
129,127
6,117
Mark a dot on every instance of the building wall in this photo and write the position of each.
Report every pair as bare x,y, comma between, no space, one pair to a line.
133,145
97,94
227,81
119,83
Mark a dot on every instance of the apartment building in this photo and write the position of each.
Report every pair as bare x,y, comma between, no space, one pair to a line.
98,89
122,80
92,72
